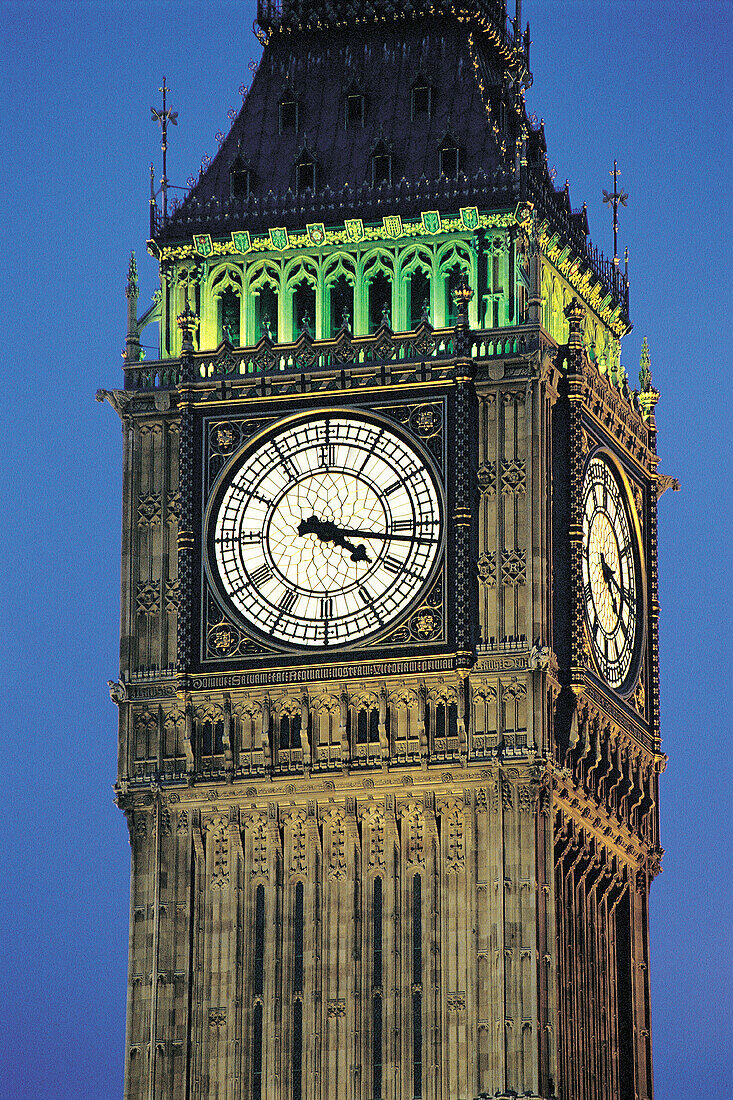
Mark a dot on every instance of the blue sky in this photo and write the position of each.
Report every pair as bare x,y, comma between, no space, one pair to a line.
647,84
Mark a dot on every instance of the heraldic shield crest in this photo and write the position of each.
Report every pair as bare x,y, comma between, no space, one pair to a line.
431,221
279,239
242,241
202,244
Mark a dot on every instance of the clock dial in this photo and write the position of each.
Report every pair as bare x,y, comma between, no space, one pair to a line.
612,610
326,531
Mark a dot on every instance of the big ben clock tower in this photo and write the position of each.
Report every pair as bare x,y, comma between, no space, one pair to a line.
388,700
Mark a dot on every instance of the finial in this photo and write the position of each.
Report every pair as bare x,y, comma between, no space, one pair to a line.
163,117
575,314
131,290
187,322
618,198
649,395
645,368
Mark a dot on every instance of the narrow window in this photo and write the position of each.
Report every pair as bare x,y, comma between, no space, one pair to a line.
259,983
374,724
298,990
298,936
290,731
417,988
289,114
380,301
240,182
377,990
421,103
305,175
342,304
453,281
419,298
257,1052
285,732
229,314
304,308
453,720
266,313
495,278
354,110
362,728
440,720
381,168
449,160
297,1050
212,738
259,975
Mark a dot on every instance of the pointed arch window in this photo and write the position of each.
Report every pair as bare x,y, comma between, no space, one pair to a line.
212,741
289,114
367,725
290,731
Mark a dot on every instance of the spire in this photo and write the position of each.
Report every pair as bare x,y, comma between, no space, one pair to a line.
645,368
132,290
649,395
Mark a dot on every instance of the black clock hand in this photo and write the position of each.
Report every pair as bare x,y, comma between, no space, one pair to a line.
609,575
327,531
385,536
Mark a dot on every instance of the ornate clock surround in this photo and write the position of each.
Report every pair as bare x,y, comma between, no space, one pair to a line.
221,433
630,506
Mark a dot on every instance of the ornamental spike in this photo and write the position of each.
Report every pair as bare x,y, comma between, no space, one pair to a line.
132,283
645,368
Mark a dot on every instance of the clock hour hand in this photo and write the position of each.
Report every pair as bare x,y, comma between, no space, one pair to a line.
609,575
327,531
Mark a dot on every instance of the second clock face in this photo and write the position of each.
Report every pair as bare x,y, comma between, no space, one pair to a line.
327,531
609,574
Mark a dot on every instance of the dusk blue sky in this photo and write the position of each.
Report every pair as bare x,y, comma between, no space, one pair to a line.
645,83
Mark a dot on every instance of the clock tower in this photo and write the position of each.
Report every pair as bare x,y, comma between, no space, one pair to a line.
388,700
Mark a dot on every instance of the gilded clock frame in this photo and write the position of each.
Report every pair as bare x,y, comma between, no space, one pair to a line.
628,685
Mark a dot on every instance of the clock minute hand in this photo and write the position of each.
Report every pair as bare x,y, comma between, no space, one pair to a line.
384,536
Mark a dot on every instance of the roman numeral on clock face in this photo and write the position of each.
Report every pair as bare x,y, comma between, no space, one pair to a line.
287,601
261,575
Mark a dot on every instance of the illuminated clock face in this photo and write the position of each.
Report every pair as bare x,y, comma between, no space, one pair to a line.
610,586
326,531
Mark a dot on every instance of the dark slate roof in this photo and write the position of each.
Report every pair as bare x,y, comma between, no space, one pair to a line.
383,66
383,62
